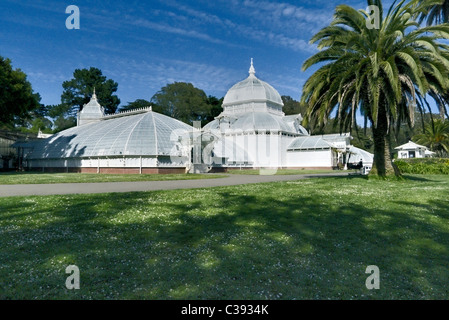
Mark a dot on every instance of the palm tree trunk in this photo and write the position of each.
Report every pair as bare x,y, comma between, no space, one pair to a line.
382,165
381,153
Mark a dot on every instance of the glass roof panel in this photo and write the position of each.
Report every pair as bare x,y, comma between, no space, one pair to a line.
149,133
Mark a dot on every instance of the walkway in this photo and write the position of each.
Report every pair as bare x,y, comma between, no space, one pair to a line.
106,187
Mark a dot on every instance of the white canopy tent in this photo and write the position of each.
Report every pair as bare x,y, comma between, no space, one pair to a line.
412,150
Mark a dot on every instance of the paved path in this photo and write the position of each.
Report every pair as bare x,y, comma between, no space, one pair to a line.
105,187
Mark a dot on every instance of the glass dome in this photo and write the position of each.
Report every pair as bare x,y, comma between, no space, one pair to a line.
213,125
261,121
149,134
252,89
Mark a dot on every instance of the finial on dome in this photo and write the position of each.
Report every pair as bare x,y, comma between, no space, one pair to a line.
94,96
252,71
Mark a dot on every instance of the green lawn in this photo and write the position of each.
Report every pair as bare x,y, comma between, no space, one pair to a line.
37,177
308,239
282,171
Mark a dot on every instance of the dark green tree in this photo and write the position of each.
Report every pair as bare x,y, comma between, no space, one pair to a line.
38,120
183,101
291,106
17,99
435,135
215,107
62,119
78,91
140,103
43,124
62,123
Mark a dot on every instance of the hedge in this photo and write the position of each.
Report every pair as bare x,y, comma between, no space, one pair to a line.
423,166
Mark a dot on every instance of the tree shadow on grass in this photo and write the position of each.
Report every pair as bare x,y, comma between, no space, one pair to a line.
223,245
416,178
404,178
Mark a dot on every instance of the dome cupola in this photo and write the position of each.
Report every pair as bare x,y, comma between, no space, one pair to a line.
252,94
91,112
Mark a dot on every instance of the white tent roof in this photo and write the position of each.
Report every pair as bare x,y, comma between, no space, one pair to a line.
357,155
410,146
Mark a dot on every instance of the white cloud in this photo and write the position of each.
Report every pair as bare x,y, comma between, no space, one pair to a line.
288,17
144,78
38,76
265,25
173,30
254,31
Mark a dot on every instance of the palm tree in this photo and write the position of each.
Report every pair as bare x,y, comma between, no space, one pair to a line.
437,13
435,135
380,72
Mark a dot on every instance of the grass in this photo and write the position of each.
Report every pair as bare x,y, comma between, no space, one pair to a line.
44,178
307,239
282,171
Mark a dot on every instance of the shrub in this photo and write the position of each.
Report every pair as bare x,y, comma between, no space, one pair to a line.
423,166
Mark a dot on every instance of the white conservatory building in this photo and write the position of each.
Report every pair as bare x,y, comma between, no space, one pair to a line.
140,141
251,132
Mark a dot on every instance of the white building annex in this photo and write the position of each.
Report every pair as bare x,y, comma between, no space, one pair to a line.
412,150
251,132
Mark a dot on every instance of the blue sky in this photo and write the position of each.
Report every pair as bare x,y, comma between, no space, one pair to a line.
143,45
